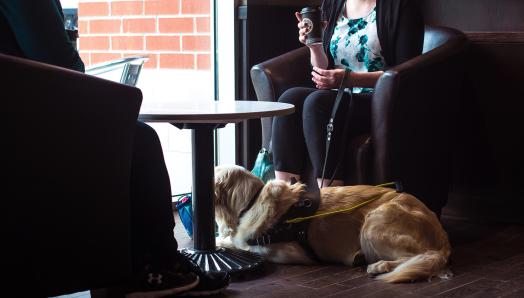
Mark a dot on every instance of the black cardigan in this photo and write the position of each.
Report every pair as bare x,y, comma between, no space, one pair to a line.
400,27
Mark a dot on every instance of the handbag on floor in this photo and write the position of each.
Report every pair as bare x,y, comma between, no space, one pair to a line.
263,167
185,212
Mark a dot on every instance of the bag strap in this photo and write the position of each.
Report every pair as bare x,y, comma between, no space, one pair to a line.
330,125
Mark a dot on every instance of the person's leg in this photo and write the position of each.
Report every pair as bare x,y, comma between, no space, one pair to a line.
316,114
159,269
317,111
288,145
152,222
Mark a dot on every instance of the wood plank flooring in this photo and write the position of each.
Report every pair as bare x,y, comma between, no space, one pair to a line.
487,261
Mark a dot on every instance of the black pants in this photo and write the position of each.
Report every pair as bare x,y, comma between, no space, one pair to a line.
152,222
303,133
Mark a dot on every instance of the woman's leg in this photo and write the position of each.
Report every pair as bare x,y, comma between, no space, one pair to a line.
316,114
288,145
152,222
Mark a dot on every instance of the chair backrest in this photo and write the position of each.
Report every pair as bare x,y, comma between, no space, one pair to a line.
131,68
71,135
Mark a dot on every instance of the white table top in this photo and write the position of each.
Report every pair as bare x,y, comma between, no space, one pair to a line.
211,112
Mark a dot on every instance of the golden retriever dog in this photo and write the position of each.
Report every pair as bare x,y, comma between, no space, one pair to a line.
400,238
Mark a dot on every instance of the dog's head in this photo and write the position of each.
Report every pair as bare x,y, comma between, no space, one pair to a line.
234,188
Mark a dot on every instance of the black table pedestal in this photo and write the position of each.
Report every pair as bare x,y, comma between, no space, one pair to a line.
224,259
205,253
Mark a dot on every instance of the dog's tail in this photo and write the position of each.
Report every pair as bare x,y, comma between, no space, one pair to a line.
419,267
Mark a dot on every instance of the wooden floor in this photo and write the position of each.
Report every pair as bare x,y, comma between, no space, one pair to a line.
487,261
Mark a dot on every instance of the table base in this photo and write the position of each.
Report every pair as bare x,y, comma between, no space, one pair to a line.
224,259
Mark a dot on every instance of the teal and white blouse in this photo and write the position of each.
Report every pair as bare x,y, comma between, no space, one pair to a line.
355,45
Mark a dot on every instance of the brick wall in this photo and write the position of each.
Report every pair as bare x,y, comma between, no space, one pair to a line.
173,33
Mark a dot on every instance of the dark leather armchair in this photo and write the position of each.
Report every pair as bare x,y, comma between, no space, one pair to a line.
70,141
412,112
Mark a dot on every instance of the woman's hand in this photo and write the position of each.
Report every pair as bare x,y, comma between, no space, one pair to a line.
328,78
318,57
302,28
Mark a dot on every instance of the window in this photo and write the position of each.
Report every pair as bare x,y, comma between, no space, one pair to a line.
178,38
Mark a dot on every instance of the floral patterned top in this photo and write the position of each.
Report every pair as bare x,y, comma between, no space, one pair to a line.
355,45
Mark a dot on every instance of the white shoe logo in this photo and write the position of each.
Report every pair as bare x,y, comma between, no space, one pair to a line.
154,278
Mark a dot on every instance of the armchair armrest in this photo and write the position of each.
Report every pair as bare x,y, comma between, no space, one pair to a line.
412,110
272,77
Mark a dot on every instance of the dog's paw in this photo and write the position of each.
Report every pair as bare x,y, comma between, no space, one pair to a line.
446,274
379,268
224,242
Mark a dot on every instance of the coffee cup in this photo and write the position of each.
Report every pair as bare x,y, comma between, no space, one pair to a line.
311,19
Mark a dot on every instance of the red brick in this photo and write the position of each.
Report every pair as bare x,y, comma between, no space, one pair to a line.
83,27
163,43
196,6
127,8
204,61
126,43
85,58
139,25
104,26
151,63
94,42
203,24
160,7
104,57
89,9
175,25
182,61
196,43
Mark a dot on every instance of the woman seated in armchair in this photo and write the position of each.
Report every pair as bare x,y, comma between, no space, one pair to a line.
361,39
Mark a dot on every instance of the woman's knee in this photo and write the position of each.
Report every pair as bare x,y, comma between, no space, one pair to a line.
295,95
318,102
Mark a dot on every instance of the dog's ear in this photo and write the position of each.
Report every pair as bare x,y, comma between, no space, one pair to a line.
234,187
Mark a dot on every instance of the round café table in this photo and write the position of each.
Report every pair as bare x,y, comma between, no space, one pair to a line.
203,118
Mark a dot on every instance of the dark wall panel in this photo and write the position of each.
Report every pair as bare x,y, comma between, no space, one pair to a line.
488,159
476,15
265,31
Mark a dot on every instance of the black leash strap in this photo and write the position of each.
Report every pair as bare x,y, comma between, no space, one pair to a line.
331,123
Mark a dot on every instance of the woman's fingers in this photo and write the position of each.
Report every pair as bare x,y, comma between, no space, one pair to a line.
298,16
324,72
302,34
301,27
324,79
322,82
317,77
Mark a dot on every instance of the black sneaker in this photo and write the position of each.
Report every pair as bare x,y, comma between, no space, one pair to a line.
210,283
162,283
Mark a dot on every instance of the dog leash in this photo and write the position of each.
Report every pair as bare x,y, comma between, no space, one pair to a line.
330,126
398,189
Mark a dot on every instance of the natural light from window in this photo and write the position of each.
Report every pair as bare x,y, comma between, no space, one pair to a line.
177,36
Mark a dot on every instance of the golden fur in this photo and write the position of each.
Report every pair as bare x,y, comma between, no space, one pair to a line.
401,239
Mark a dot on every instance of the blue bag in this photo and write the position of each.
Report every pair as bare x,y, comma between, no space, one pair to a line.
263,167
185,211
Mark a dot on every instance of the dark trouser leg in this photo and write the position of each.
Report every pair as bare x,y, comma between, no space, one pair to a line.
152,222
288,143
316,114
